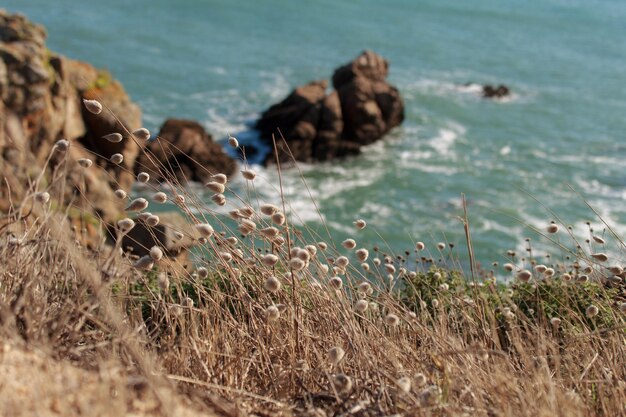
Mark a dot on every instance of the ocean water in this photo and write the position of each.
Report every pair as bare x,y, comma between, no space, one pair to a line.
520,162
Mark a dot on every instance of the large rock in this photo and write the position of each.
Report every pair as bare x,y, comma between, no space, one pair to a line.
320,126
184,151
41,102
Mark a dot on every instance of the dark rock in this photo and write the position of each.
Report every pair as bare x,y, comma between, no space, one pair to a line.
500,91
186,152
317,126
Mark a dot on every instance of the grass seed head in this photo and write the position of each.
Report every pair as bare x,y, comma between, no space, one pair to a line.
342,262
365,288
113,137
145,262
215,186
272,313
441,246
362,254
156,253
392,320
342,383
233,142
297,264
312,249
124,225
205,229
361,306
179,199
269,209
622,307
349,244
42,197
404,384
121,194
336,355
117,158
419,246
444,287
592,311
152,220
322,245
160,197
272,284
219,178
509,267
552,228
278,218
85,162
248,174
219,199
164,282
62,145
143,177
269,259
598,239
602,257
142,133
524,275
541,268
360,224
420,379
93,106
555,322
203,272
138,204
336,283
269,232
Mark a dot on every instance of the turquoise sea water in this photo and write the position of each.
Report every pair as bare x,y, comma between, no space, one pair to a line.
222,62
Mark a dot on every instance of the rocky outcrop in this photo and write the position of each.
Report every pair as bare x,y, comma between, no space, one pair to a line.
317,125
41,103
186,152
490,91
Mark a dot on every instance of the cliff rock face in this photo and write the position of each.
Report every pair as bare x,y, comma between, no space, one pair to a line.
319,126
186,152
41,103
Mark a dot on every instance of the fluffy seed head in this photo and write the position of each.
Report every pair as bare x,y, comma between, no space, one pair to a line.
342,383
125,225
392,320
420,379
246,212
42,197
93,106
360,224
420,246
602,257
592,311
121,194
152,220
616,269
269,259
269,209
113,137
164,282
142,133
336,283
362,254
365,288
622,307
178,235
361,306
566,277
335,355
269,232
444,287
85,162
541,268
376,261
203,272
342,262
524,275
144,216
435,303
404,384
219,178
179,199
390,268
272,284
312,249
233,142
145,262
248,174
549,272
508,267
205,229
215,186
365,266
441,246
297,264
143,177
278,218
138,204
552,228
219,199
598,239
349,244
160,197
555,322
156,253
272,313
117,158
62,145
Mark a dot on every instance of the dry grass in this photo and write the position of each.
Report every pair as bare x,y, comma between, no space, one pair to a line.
225,340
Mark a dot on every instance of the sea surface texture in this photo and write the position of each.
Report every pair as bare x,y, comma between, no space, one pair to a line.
521,162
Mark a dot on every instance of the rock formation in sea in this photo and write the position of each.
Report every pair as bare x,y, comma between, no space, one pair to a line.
318,125
490,91
184,152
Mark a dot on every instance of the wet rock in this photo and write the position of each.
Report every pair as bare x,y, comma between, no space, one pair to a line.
500,91
319,126
186,152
